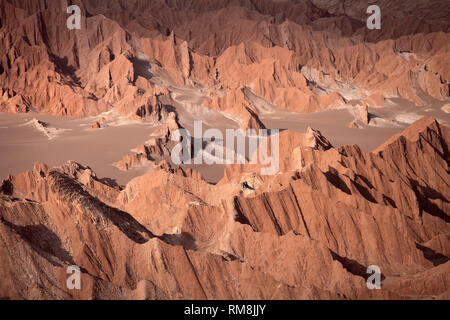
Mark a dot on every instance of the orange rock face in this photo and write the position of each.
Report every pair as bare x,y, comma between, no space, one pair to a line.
309,231
314,58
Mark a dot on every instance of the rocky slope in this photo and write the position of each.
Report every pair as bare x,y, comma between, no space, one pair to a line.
308,232
301,56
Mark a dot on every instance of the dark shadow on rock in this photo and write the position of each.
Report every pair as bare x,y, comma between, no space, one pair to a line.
389,201
184,239
432,194
333,177
44,241
14,199
63,67
226,256
240,216
371,116
434,257
365,180
141,68
353,266
170,108
72,192
364,192
109,182
247,186
7,188
127,224
424,194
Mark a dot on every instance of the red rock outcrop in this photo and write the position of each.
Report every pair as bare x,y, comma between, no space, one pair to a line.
317,55
308,232
156,149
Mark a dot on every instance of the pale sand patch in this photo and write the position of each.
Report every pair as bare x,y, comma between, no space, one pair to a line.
408,118
446,108
49,131
22,146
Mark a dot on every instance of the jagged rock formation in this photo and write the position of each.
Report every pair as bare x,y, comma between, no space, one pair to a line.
96,125
45,128
361,114
302,56
156,149
308,232
12,102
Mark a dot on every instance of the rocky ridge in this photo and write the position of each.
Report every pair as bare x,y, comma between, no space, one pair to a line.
302,56
308,232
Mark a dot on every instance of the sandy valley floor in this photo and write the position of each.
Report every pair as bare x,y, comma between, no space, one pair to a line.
22,144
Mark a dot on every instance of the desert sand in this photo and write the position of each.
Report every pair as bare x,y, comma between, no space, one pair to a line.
22,145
